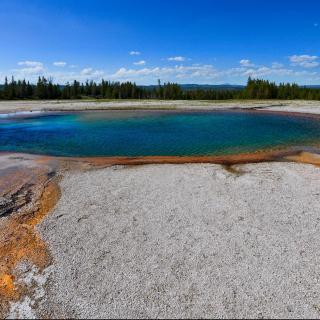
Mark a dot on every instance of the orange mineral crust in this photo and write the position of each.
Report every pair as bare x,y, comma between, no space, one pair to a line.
306,157
259,156
19,240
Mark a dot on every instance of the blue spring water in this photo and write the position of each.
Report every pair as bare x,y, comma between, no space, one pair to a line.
154,133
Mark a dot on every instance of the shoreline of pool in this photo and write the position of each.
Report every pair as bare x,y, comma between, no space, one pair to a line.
91,105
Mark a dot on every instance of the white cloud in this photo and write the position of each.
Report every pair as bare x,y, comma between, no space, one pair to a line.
304,60
177,59
82,76
30,68
266,71
91,72
134,53
181,73
276,65
59,64
167,73
140,63
29,63
246,63
202,73
86,71
311,64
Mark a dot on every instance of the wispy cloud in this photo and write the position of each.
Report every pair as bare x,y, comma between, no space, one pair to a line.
59,64
304,60
177,59
29,63
140,63
203,73
178,72
276,65
182,73
30,68
134,53
246,63
92,72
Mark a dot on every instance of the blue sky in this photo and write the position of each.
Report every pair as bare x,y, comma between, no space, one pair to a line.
187,42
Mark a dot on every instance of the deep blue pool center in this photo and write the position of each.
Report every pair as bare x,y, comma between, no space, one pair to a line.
154,133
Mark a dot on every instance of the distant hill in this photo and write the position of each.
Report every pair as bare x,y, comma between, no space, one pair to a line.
225,86
315,86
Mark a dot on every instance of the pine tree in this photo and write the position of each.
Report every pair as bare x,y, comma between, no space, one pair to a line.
6,89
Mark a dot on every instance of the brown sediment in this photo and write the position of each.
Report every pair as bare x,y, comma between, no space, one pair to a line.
227,160
305,157
19,240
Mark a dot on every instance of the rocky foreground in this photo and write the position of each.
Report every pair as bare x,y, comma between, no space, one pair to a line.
177,241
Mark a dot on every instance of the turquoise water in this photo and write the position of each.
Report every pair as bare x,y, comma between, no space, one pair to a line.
154,133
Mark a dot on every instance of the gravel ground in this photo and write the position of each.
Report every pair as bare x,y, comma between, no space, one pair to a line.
186,241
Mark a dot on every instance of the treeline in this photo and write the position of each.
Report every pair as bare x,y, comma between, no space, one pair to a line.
46,89
263,89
